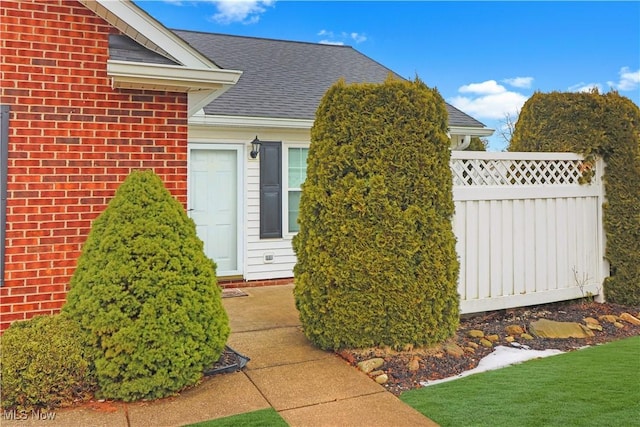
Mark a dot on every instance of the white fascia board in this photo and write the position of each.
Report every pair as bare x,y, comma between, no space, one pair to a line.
176,76
465,130
202,86
244,121
141,27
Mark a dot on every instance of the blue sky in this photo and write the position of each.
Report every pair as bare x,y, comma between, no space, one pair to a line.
486,58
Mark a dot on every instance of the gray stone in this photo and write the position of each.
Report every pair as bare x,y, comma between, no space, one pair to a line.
369,365
545,328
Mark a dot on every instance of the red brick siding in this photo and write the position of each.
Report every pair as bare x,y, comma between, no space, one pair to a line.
72,140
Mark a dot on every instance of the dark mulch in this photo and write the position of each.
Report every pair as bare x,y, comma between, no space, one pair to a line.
435,363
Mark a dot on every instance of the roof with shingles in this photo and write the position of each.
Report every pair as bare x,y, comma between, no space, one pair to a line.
123,48
281,79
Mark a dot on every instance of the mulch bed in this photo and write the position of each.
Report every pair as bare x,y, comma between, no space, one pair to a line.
435,363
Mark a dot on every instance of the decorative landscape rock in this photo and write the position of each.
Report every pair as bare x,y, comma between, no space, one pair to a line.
526,337
454,350
369,365
381,379
629,318
493,338
414,364
486,343
592,323
474,333
609,318
544,328
514,330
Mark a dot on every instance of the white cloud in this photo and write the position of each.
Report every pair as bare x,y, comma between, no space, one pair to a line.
331,42
629,80
488,100
244,11
358,38
340,39
488,87
523,82
585,87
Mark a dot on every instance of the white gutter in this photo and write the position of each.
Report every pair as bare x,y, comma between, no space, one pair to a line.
201,85
245,121
471,131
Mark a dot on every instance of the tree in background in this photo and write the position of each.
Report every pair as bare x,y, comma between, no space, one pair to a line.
597,125
146,295
376,260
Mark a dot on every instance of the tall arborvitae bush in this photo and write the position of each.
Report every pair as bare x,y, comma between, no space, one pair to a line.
376,260
604,125
146,295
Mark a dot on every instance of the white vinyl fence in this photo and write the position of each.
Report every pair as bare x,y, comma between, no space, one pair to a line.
527,232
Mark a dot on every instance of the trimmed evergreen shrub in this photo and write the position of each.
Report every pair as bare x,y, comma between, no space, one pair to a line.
147,295
376,260
42,364
609,126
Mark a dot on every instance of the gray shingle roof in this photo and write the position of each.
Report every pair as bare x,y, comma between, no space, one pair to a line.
281,79
123,48
287,79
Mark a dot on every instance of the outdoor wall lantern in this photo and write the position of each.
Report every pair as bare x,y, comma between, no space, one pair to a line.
255,147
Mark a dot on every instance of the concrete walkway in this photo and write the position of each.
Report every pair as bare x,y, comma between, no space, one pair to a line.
307,386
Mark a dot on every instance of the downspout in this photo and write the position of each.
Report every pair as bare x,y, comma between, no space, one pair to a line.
466,141
4,169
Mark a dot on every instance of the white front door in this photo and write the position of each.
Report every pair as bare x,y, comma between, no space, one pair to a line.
214,206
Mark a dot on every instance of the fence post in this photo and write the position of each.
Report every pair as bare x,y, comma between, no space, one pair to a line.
603,268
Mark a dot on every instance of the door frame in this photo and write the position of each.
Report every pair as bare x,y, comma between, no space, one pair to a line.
239,149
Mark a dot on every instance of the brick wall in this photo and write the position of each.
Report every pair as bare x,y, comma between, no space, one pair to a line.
72,140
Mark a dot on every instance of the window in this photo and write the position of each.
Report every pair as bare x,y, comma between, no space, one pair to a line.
297,172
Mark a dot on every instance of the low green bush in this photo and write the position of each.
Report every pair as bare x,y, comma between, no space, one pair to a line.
146,295
43,364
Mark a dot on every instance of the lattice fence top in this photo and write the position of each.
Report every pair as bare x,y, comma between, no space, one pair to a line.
509,172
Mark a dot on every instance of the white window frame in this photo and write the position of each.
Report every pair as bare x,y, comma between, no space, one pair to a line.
285,188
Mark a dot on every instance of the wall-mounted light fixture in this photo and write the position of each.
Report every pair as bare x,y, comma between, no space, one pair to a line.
255,147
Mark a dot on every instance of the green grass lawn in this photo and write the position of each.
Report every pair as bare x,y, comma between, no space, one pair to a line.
596,386
262,418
